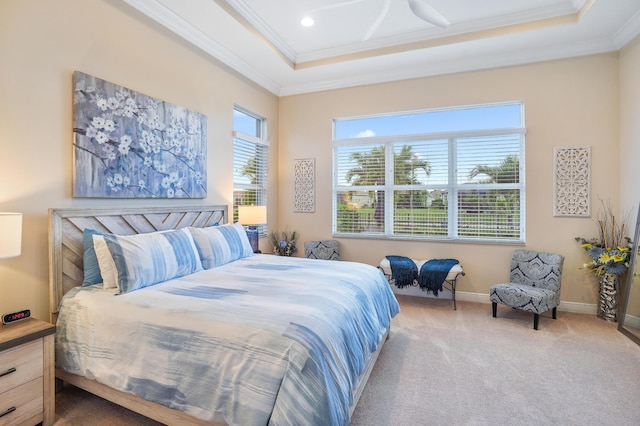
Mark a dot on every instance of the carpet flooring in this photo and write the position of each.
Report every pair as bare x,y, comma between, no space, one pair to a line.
463,367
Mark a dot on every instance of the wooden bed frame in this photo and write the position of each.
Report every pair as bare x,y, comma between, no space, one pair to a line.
66,272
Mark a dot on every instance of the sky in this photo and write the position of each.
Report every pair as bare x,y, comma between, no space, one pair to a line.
434,121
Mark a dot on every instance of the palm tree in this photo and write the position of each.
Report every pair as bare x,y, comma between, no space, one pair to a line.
370,170
371,167
503,201
406,163
506,172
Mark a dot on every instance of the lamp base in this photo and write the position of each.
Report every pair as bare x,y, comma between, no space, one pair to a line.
252,234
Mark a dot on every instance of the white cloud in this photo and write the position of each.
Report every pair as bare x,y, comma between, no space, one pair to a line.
366,134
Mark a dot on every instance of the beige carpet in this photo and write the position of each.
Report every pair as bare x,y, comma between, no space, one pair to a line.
446,367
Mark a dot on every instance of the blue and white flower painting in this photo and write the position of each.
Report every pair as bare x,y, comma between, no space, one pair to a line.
130,145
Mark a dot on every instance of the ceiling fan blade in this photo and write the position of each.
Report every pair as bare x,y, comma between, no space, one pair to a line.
428,13
376,23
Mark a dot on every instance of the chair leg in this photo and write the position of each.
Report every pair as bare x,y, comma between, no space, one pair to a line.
553,313
494,308
536,317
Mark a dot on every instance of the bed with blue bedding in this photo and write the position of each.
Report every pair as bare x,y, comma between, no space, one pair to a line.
211,333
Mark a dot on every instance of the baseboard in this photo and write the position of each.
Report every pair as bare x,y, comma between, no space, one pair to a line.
632,321
578,308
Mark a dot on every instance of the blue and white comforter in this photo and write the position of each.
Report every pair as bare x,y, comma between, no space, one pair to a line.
261,340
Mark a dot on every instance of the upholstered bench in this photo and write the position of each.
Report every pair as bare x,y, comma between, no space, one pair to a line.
449,282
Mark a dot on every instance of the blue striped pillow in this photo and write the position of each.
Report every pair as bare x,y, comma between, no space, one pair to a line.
142,260
222,244
89,259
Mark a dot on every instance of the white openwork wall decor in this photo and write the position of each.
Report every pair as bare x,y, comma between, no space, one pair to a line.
572,181
304,186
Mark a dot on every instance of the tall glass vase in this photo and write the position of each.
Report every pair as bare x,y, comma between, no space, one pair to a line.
608,301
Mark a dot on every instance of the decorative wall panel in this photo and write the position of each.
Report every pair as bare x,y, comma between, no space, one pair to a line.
304,186
572,181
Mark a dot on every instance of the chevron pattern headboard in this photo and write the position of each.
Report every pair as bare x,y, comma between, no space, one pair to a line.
67,225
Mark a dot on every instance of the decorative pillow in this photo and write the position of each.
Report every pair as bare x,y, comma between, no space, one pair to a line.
89,259
105,262
135,261
222,244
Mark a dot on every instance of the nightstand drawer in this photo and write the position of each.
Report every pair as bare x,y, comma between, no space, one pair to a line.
20,365
21,404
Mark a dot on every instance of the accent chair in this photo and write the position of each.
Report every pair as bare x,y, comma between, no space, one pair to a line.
534,284
324,249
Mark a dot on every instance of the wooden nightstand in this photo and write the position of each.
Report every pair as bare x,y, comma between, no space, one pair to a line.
27,373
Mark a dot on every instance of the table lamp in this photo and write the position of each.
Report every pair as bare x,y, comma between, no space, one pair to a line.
252,216
11,246
10,235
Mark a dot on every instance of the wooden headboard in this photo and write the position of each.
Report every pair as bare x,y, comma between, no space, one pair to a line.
67,225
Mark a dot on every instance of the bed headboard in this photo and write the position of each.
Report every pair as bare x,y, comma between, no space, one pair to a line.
67,225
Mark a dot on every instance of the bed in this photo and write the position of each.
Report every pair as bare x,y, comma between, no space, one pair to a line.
254,339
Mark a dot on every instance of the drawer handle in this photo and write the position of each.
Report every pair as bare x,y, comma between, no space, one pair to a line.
9,410
9,371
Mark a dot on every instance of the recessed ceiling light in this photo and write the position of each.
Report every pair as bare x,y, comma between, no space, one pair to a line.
307,21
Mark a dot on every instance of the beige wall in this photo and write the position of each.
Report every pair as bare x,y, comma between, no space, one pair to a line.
41,43
567,103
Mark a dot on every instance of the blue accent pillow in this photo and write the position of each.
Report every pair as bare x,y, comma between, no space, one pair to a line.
89,259
222,244
135,261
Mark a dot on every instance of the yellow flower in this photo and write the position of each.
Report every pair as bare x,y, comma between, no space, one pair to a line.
587,246
604,258
618,258
623,248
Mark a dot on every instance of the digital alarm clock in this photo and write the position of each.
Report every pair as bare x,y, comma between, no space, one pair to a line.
16,316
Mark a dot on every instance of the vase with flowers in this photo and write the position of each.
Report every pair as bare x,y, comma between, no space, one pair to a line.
284,243
609,255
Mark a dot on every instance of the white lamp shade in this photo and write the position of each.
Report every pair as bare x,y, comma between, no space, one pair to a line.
252,215
10,234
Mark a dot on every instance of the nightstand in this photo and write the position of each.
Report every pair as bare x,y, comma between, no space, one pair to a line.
27,373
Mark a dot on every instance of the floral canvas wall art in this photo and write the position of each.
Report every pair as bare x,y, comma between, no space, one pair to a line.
130,145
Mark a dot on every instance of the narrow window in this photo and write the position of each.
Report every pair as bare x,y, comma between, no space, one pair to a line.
250,149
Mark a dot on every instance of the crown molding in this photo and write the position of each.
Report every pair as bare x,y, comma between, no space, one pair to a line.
255,24
501,60
175,23
178,25
626,33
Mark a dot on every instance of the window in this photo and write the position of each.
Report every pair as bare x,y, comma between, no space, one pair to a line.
249,161
451,174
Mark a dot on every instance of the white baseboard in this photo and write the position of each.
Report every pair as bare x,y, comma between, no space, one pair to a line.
578,308
632,321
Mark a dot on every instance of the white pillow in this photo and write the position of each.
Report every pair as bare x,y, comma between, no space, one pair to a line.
222,244
135,261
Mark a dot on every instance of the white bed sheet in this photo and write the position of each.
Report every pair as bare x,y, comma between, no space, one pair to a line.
261,340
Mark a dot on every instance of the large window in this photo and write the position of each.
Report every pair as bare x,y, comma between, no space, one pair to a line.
249,161
453,174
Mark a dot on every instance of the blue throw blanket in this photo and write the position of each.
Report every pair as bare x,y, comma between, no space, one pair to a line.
403,270
433,273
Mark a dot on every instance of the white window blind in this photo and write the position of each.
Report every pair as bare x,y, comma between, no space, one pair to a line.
462,185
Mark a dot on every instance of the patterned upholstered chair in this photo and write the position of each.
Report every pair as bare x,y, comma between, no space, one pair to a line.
325,249
534,284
